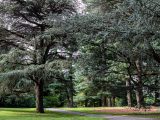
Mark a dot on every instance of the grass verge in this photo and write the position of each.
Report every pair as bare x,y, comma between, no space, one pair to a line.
30,114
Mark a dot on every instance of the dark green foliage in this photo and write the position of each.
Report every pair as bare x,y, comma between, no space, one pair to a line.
17,101
88,58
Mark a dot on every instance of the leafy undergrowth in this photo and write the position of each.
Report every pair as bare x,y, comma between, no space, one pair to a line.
153,113
30,114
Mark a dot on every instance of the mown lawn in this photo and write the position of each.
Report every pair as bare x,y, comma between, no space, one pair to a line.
117,111
30,114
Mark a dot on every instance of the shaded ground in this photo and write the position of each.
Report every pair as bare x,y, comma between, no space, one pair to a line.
110,117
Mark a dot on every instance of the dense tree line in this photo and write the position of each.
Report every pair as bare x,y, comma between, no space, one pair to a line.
107,55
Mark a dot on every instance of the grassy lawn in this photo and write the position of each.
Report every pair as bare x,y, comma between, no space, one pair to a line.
117,111
30,114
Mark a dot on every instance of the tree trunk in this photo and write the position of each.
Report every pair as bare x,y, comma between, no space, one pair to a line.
109,102
99,103
70,98
139,86
156,92
39,97
94,104
139,96
156,96
113,101
104,102
128,85
86,103
70,83
70,92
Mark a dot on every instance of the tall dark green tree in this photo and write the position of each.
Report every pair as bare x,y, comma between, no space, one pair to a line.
35,31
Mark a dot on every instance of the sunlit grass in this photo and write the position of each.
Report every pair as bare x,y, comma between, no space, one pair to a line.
30,114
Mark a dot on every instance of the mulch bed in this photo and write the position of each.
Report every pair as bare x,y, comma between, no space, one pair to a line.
127,110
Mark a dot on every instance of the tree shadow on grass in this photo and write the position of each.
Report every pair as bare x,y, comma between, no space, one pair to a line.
22,112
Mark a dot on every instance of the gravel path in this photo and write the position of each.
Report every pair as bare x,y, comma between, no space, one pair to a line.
110,117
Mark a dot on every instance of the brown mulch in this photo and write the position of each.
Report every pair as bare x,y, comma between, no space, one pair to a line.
127,110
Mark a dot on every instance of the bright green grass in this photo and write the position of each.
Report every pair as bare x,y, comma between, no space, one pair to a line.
94,111
30,114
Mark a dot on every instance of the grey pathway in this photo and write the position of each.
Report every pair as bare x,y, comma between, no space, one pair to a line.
110,117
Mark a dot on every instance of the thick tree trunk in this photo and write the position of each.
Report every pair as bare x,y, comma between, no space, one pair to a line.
39,59
128,85
139,86
39,97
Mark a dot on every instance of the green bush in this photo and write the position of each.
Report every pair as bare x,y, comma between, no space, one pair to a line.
149,100
119,102
52,101
17,101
